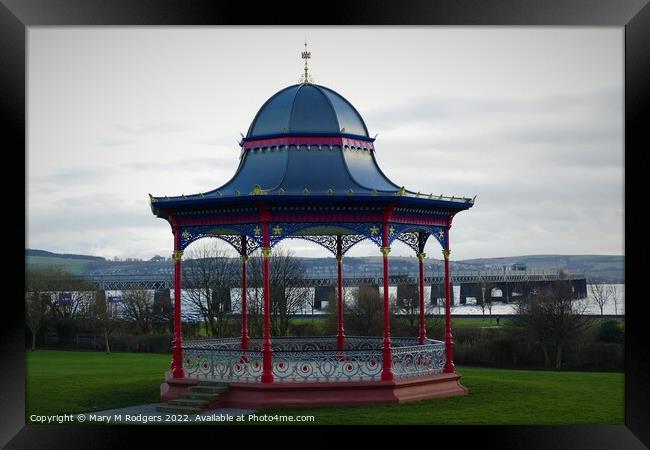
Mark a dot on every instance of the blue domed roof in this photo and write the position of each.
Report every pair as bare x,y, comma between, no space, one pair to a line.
306,142
307,109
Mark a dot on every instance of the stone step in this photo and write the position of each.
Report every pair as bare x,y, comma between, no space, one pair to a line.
194,403
208,389
178,409
209,396
212,383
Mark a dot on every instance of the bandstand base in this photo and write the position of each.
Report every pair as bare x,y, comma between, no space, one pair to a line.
173,387
258,395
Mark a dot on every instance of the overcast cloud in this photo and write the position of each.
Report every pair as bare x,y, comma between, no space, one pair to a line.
528,119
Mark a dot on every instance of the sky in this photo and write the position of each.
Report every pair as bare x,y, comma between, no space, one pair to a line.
528,119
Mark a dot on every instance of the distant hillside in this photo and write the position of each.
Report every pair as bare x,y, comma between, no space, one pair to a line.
596,267
32,252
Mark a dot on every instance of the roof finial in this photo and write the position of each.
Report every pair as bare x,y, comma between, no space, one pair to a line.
306,55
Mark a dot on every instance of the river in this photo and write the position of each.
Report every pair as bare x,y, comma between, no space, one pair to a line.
615,306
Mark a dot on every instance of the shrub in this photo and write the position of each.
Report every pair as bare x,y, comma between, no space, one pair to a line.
495,348
404,326
596,356
365,317
304,328
469,335
436,329
611,331
151,343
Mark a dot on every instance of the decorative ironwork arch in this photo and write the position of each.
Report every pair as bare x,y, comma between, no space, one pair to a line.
349,241
416,236
231,234
328,241
369,230
351,234
414,239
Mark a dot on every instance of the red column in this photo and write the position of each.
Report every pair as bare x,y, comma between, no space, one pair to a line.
244,305
267,362
340,332
387,350
422,335
449,340
177,342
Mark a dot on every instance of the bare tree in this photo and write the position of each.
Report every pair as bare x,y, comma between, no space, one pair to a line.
73,297
408,307
36,309
102,318
51,292
163,309
208,272
602,293
365,315
481,304
485,301
481,300
488,304
37,299
551,318
255,297
288,294
615,295
138,308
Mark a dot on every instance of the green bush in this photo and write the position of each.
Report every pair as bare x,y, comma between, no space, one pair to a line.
404,326
510,347
611,331
596,356
305,328
436,329
496,350
151,343
471,335
365,316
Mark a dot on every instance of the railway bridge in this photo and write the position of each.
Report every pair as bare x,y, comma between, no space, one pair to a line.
480,285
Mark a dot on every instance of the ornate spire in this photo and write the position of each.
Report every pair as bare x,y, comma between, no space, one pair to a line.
306,55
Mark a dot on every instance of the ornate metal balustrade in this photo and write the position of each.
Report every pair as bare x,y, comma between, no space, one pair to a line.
417,360
327,365
311,359
224,365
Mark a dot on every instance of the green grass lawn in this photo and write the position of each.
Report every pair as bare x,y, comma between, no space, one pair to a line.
500,397
70,382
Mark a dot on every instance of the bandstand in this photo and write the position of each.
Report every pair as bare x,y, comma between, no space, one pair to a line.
307,170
